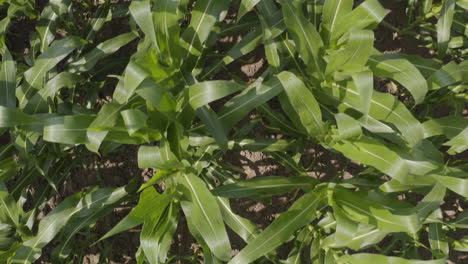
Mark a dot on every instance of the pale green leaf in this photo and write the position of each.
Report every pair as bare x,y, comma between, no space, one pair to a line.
444,25
203,213
203,93
365,258
403,72
246,6
265,187
305,35
67,129
7,80
304,103
302,212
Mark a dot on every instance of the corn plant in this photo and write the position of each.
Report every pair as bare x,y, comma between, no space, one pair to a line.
170,97
448,35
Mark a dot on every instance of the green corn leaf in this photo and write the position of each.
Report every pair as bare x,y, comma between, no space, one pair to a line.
384,107
141,13
462,244
364,237
459,25
249,42
449,126
7,241
333,12
438,240
366,16
353,234
170,229
463,4
99,128
4,24
355,52
365,210
9,212
134,76
208,256
403,72
145,209
365,258
66,212
60,7
426,6
271,48
92,206
104,49
450,74
316,11
444,25
302,212
49,227
246,6
202,212
424,157
431,201
46,27
306,37
242,226
67,129
237,28
166,24
303,239
156,235
7,80
411,182
263,144
134,120
203,93
97,21
364,82
290,111
304,103
155,157
38,103
462,220
10,117
213,124
246,45
8,167
158,96
288,162
426,66
458,143
348,127
455,184
278,120
374,153
46,61
240,106
265,187
205,14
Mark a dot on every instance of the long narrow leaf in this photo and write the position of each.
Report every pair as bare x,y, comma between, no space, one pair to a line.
299,214
7,80
202,211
